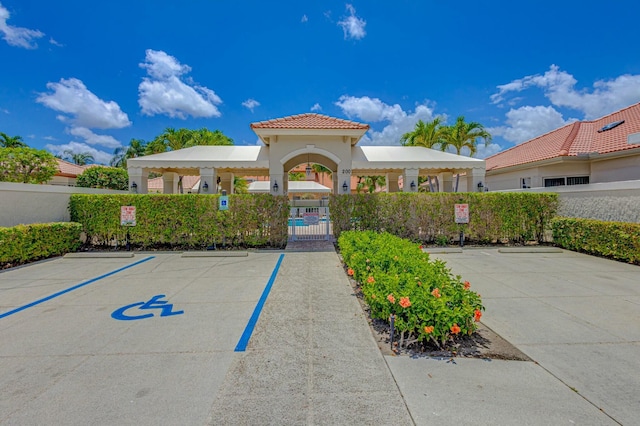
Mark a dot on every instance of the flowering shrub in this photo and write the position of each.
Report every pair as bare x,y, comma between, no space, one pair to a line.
398,278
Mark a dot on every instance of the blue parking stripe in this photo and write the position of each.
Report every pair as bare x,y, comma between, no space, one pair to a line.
75,287
244,339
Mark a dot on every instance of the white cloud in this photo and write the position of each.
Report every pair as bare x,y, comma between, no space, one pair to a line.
100,157
17,36
163,91
528,122
55,43
304,18
316,107
86,109
368,109
352,25
49,138
560,88
484,150
94,139
374,110
251,104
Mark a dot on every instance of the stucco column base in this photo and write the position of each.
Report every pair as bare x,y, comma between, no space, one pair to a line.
140,177
208,176
392,182
277,178
410,175
446,182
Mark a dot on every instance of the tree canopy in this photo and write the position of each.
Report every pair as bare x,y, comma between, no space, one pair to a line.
7,141
464,135
172,139
27,165
103,177
79,158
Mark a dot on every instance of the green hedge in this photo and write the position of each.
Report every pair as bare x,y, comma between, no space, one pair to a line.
26,243
397,277
616,240
186,221
426,217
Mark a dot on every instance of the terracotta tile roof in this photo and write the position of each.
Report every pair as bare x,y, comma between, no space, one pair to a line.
309,121
573,139
68,169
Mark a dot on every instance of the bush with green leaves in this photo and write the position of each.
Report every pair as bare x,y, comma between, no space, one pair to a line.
397,278
27,165
426,217
616,240
183,220
26,243
104,177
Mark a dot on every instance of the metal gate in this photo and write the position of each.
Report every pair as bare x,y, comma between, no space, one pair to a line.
310,224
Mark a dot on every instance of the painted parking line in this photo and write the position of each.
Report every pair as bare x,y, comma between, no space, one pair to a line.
244,339
75,287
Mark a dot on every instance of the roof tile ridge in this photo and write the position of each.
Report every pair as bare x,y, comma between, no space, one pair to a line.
530,140
566,145
616,112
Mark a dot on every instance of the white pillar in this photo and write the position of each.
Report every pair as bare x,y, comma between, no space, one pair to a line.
169,183
392,182
475,177
276,179
138,180
208,177
410,175
446,182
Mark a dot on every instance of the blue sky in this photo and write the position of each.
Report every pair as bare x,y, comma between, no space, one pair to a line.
89,76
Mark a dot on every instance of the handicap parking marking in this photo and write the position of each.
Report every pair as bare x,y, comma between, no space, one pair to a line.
75,287
166,309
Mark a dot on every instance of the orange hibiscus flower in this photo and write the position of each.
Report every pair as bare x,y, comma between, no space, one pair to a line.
467,285
371,280
477,315
350,272
391,299
436,293
405,302
455,329
428,329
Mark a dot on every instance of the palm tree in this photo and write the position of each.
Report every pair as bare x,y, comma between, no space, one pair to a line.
296,176
464,135
427,135
135,149
79,158
7,141
240,185
320,170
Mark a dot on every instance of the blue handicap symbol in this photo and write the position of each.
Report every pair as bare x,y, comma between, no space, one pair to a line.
166,309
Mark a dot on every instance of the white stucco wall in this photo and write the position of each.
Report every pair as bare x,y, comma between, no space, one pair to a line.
22,203
611,201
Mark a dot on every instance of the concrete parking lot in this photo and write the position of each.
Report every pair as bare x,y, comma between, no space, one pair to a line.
68,361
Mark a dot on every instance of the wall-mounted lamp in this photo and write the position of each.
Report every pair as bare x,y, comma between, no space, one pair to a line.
413,185
275,186
205,187
345,187
134,187
480,187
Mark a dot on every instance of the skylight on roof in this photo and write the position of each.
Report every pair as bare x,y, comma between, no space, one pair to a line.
611,126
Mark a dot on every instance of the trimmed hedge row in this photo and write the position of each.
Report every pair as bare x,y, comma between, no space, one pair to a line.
616,240
427,217
27,243
397,278
187,220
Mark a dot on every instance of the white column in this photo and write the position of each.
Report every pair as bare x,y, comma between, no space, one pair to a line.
169,183
276,179
392,182
475,177
446,182
410,175
138,180
208,177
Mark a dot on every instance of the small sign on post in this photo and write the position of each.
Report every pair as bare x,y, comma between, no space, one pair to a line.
462,213
311,218
223,202
128,215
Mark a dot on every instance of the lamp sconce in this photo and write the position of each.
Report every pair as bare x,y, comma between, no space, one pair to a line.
413,185
205,187
134,187
275,186
480,187
345,187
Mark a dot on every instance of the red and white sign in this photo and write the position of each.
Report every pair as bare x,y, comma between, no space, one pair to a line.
311,218
462,213
128,215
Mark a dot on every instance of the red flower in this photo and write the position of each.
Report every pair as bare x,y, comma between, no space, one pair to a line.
455,329
350,272
391,299
477,315
428,329
405,302
467,285
436,293
370,280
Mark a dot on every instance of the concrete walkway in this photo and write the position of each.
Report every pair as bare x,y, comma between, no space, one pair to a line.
312,358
